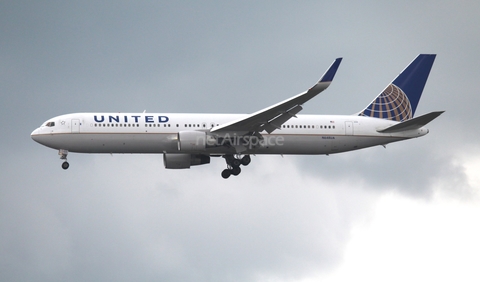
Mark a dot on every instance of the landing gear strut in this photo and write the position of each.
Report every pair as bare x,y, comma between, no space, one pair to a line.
63,156
233,165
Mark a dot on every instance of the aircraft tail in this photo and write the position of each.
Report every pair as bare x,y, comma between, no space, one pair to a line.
399,100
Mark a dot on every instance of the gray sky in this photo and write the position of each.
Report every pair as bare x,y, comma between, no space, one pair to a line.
125,217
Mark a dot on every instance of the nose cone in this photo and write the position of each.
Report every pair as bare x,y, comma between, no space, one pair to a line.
34,135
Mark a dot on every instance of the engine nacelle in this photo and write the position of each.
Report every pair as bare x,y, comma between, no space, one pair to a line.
177,161
189,141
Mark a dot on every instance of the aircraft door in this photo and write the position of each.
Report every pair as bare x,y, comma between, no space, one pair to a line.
348,128
75,126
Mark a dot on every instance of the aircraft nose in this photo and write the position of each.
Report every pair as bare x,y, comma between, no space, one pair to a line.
34,135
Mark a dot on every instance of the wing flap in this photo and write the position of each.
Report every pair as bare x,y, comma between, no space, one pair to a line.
277,122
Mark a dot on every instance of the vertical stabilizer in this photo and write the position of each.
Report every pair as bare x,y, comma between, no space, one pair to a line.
399,100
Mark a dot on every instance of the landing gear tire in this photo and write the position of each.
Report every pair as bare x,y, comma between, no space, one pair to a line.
226,173
236,170
236,162
65,165
246,160
233,165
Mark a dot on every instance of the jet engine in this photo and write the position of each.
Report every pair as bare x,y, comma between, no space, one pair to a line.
177,161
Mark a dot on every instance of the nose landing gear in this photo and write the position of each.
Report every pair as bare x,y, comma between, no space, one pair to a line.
63,156
233,165
65,165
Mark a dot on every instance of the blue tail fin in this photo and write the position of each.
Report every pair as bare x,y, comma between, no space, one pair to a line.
399,100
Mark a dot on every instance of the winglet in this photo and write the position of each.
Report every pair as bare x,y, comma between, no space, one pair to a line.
330,73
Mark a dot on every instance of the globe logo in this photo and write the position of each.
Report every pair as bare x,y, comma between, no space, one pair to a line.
391,104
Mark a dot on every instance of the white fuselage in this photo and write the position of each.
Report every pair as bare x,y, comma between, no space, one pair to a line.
158,133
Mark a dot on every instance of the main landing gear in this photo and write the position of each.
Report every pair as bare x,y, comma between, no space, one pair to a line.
63,156
233,165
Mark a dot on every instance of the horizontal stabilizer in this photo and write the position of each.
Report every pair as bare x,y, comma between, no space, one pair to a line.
411,124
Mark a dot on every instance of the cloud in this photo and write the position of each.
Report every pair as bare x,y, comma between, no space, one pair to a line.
416,168
408,239
134,219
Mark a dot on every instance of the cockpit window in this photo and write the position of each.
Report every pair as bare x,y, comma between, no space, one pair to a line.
50,124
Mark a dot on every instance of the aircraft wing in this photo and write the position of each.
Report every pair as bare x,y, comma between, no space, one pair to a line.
272,118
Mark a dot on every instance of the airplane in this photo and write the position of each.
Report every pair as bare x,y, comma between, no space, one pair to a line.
187,140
